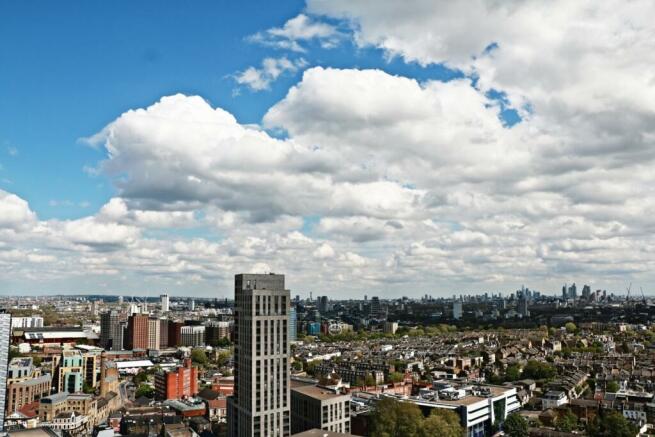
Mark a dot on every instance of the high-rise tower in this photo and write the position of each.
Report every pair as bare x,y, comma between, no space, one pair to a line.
5,334
165,303
111,332
261,401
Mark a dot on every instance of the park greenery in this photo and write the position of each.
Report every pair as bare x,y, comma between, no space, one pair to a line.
392,418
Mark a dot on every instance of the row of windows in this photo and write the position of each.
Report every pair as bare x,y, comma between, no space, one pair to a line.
270,305
269,337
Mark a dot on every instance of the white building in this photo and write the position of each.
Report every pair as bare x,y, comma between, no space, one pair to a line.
27,322
165,303
554,399
478,406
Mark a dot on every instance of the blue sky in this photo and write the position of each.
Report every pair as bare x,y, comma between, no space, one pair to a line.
360,147
68,69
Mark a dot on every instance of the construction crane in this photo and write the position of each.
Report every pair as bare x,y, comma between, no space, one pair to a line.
627,299
643,297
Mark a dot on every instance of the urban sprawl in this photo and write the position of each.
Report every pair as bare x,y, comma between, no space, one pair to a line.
272,363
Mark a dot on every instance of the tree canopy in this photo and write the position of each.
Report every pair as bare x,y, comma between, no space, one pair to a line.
539,370
402,419
612,387
570,327
567,422
516,426
611,424
199,356
144,390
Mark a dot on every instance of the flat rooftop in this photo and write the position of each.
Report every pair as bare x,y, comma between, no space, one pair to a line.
321,433
470,399
316,392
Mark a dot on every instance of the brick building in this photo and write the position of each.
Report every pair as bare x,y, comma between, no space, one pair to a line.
177,384
137,331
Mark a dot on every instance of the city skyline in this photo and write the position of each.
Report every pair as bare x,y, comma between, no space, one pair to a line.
361,148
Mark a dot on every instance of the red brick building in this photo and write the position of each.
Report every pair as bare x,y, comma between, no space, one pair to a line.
137,331
177,384
224,385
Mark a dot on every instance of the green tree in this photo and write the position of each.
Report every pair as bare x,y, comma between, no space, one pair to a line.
224,342
396,377
144,390
513,373
570,327
370,381
567,422
442,423
199,356
223,358
612,387
539,370
87,388
297,365
140,378
396,419
516,426
611,424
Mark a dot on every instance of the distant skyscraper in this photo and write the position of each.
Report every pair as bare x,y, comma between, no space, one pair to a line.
120,300
5,333
564,295
323,304
573,292
586,292
293,333
192,305
376,308
111,333
137,331
164,302
457,309
260,405
523,305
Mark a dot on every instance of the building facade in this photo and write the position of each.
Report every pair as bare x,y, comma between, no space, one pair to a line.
111,331
71,372
177,384
192,336
154,330
137,331
27,322
315,407
215,331
260,405
293,324
165,303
